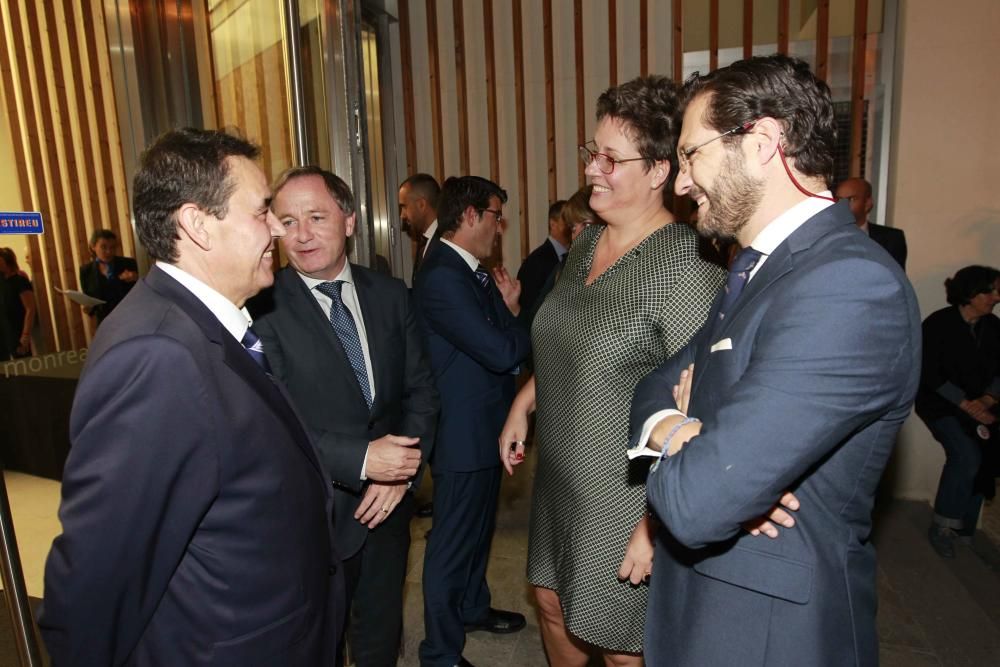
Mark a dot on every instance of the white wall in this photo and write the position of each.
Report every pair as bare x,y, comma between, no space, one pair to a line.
944,171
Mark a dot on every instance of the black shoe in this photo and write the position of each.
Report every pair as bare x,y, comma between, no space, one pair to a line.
942,539
498,622
462,662
425,511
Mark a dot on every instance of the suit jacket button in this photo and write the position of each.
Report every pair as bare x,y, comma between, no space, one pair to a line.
371,425
333,570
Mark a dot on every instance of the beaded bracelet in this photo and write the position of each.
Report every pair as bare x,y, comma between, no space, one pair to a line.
673,431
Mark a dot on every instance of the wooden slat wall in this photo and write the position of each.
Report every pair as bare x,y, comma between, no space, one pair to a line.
543,70
858,52
56,75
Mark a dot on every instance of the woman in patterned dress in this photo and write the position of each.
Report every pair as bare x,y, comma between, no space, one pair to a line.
633,292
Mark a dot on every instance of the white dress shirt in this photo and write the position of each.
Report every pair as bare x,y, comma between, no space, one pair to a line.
429,234
766,242
235,320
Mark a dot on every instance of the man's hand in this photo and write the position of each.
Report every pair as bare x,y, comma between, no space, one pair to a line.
682,397
978,409
392,458
777,514
638,562
379,502
128,276
510,289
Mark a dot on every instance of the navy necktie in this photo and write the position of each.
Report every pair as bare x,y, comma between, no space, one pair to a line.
347,331
483,276
739,274
255,349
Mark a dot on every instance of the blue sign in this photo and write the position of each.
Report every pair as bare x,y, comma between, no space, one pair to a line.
20,223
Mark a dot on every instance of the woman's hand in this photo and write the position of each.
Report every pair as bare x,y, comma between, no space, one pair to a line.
978,410
638,562
515,429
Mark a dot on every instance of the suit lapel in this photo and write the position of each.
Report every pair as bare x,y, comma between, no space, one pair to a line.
235,357
307,310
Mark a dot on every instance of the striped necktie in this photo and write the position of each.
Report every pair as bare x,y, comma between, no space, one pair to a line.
255,349
347,331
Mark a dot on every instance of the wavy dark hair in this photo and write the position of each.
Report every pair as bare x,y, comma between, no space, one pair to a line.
650,108
969,282
777,87
459,193
185,166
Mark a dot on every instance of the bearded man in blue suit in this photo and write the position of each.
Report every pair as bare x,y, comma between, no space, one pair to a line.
801,379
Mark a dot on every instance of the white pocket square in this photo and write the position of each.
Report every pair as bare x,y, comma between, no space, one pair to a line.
724,344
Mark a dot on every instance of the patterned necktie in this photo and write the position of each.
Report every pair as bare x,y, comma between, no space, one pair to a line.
255,349
483,276
347,331
739,274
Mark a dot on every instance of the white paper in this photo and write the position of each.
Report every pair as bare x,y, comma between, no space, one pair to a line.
79,297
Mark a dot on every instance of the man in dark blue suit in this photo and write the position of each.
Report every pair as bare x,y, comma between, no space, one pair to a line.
801,379
858,193
475,345
344,341
196,515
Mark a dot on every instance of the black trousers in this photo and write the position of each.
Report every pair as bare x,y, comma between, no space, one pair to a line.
374,580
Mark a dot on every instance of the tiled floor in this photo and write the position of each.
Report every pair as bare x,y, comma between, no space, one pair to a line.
932,611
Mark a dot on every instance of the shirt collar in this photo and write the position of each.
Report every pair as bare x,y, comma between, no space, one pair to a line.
785,224
345,275
464,254
431,228
560,248
234,320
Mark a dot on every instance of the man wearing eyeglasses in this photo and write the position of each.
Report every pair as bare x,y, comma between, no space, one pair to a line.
476,345
800,381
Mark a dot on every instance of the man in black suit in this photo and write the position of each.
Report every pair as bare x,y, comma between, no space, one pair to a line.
475,345
858,193
344,341
418,197
108,276
543,260
195,512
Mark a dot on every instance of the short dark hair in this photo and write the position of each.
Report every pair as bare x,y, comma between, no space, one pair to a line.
336,186
184,166
461,192
650,107
10,258
99,234
778,87
968,282
555,208
426,186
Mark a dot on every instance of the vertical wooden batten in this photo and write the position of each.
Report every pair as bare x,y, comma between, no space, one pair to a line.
581,128
550,100
644,37
435,83
822,39
406,64
783,20
491,90
859,53
747,28
713,35
677,16
522,138
460,87
612,43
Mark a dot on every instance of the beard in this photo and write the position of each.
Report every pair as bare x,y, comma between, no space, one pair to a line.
733,200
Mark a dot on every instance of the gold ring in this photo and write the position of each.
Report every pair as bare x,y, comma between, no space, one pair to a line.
385,510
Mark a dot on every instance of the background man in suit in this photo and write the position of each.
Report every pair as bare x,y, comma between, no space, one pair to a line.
366,394
475,346
195,513
418,201
787,394
858,193
543,260
108,276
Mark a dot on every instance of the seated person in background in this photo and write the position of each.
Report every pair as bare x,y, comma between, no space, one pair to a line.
957,399
19,307
108,276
